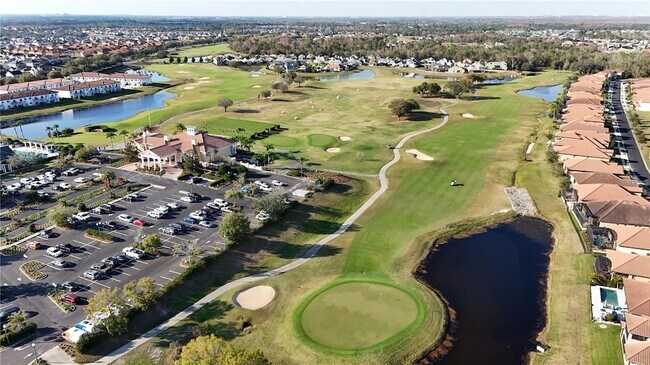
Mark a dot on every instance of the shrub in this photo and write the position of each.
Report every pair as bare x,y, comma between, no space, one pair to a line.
11,337
82,207
88,341
97,234
240,169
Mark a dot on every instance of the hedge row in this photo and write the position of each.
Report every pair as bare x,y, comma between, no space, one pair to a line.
8,338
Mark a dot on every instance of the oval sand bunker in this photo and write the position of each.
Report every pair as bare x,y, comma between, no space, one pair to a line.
344,138
419,155
333,150
255,297
468,115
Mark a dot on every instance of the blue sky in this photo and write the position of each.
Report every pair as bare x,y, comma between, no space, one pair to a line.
325,8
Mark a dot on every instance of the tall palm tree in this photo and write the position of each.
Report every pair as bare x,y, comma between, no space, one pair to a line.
246,142
20,124
107,177
269,147
56,132
124,133
111,136
14,125
49,133
302,161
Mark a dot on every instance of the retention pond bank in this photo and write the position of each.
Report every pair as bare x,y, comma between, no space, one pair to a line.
495,282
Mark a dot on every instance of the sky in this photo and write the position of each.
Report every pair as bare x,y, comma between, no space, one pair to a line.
331,8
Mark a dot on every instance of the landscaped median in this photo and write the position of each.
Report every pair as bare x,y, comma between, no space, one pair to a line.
33,270
55,296
100,236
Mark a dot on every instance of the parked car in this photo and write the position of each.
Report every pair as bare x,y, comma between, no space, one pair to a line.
65,186
33,245
207,224
66,247
138,223
7,312
91,275
60,263
259,182
198,216
262,216
133,253
83,216
278,183
54,252
212,205
67,285
226,210
179,226
174,206
125,218
70,298
102,210
220,203
189,199
80,180
121,259
194,195
107,225
46,233
265,188
101,267
162,209
170,231
190,220
110,262
155,214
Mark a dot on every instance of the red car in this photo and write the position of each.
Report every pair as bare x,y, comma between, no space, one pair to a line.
70,298
138,223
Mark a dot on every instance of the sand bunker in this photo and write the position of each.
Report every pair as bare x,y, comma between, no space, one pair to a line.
188,87
182,72
344,138
255,75
204,78
255,297
333,150
419,155
256,86
468,115
203,82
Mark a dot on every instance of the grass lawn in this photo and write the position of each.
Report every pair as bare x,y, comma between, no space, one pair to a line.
645,147
321,140
220,48
606,344
356,315
232,127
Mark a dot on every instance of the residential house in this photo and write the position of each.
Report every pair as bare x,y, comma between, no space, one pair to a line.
606,192
26,99
574,165
579,178
48,84
637,353
629,265
499,65
87,89
605,213
456,70
641,94
126,80
631,239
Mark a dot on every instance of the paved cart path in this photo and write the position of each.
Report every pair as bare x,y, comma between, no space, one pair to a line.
54,356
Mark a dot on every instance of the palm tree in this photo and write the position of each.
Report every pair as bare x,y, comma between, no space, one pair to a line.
111,136
16,124
302,160
240,182
107,177
246,142
56,132
269,147
124,133
179,127
20,124
49,133
234,195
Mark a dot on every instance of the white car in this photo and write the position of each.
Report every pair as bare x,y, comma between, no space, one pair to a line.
65,186
262,216
265,188
226,210
125,218
26,180
220,202
174,206
155,214
80,180
188,199
54,252
83,216
197,216
278,183
259,182
133,253
207,224
162,209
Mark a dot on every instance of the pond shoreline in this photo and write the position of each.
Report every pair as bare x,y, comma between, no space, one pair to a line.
439,351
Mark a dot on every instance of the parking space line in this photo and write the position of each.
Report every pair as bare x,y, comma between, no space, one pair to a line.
174,272
94,282
160,285
119,281
134,268
164,277
146,263
76,257
84,244
125,273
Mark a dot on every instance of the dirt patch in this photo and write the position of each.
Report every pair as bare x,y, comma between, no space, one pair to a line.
204,78
203,82
419,155
333,150
188,88
182,72
343,138
255,297
468,115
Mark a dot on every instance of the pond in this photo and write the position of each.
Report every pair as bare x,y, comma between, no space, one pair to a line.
155,76
492,280
548,93
34,127
499,80
361,75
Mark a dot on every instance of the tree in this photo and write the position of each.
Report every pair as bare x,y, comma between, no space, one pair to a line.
235,227
124,133
401,107
55,128
111,136
458,88
149,244
476,78
299,80
273,204
225,103
179,127
192,59
59,216
16,321
141,293
234,195
189,248
171,59
184,59
191,162
268,147
212,350
130,152
109,306
266,93
84,154
200,59
48,129
427,89
302,161
246,142
54,74
280,86
108,177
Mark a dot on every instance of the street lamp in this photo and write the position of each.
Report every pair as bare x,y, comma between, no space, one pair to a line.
34,350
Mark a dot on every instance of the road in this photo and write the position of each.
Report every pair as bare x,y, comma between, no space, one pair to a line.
627,137
254,278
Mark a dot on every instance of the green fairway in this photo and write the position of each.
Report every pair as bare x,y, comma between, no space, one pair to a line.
321,140
220,48
357,315
232,127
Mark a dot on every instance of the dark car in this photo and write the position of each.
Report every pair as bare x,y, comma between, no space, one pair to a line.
101,268
107,225
7,312
67,285
194,195
66,247
197,180
46,233
110,262
170,231
121,259
190,220
179,226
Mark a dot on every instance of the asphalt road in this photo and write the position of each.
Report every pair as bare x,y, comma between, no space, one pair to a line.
627,137
31,296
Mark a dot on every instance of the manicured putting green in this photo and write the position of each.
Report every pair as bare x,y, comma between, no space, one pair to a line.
231,127
278,140
321,140
358,315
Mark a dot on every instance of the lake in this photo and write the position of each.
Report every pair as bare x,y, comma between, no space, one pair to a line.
495,281
34,127
548,93
361,75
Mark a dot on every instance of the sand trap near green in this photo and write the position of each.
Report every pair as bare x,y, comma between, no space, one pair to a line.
357,315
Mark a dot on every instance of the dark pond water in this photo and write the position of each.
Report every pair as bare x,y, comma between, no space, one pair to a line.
548,93
34,127
496,81
155,76
495,281
361,75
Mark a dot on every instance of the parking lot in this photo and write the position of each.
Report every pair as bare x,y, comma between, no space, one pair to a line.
31,296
